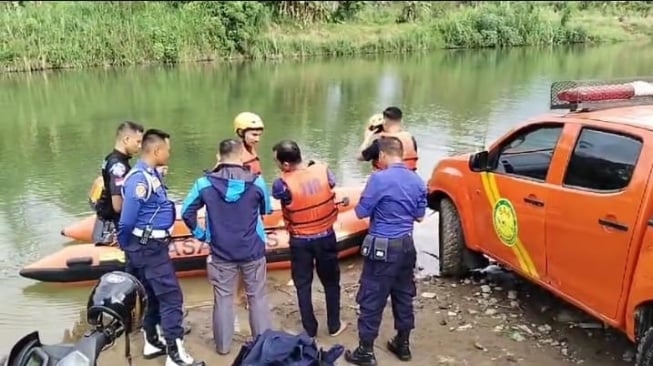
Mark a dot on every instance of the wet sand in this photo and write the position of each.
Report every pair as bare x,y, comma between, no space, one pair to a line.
494,319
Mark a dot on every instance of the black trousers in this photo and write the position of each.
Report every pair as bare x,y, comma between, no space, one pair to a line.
320,254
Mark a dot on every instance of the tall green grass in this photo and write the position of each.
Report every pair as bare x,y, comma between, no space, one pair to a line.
43,35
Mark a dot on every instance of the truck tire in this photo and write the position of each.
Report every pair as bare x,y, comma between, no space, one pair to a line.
645,349
451,241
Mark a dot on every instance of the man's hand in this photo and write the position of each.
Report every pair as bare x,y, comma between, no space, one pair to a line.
163,170
369,134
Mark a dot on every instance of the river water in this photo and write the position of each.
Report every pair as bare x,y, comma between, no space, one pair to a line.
56,127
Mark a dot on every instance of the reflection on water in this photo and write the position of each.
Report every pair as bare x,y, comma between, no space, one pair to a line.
56,127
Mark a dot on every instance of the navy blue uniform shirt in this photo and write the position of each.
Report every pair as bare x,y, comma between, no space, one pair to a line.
393,199
144,199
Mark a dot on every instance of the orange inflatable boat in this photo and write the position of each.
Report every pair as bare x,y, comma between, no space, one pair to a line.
88,262
82,230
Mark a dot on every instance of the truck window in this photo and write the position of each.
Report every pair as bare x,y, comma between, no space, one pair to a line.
602,160
528,154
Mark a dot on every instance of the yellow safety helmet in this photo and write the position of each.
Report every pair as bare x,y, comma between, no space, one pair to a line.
375,121
247,121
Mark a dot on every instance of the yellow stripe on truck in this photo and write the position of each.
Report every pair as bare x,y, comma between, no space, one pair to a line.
493,195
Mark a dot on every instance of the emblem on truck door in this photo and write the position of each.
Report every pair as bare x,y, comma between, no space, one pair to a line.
504,219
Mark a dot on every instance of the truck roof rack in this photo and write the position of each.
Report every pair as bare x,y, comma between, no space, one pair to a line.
583,95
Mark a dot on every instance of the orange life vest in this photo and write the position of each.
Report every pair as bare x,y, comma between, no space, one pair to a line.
410,154
251,160
312,209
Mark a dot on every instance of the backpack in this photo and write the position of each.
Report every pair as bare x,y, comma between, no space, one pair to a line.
276,348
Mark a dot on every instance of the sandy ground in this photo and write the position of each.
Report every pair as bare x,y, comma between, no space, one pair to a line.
490,319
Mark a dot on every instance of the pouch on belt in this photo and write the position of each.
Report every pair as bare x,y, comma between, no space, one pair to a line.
381,249
366,247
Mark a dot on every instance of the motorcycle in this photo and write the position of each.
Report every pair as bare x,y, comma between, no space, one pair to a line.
109,318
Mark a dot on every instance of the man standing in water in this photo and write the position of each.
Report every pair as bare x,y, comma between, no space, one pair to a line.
309,211
394,198
235,199
105,197
144,236
388,124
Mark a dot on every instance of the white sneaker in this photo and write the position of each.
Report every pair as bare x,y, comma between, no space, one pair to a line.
177,355
159,330
150,350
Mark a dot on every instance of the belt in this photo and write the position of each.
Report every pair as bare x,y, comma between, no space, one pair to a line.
396,243
156,234
313,236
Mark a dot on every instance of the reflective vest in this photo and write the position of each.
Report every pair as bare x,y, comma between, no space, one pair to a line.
251,161
410,154
312,209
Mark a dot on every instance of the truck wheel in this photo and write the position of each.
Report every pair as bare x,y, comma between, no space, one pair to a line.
645,349
451,241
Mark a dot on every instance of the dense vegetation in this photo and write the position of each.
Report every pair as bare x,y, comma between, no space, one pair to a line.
41,35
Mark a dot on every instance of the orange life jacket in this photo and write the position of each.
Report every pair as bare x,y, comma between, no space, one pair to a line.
251,160
410,154
312,209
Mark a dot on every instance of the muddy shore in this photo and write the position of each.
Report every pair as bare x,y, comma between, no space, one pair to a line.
489,319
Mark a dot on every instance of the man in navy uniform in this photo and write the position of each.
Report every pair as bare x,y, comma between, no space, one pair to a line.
394,198
144,235
114,169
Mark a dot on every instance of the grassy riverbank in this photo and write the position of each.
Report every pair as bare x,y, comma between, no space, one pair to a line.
44,35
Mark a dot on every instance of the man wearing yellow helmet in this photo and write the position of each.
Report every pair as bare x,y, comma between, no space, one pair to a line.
249,127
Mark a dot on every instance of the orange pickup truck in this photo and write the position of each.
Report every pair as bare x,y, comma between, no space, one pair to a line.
565,200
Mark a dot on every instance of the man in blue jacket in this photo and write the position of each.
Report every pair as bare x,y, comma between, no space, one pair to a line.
235,199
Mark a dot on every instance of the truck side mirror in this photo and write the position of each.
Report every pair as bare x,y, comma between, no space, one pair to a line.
479,162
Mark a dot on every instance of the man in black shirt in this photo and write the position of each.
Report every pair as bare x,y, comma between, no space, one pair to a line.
114,169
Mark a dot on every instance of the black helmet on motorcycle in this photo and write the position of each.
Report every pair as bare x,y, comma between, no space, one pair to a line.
122,298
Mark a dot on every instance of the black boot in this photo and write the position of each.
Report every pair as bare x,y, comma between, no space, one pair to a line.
400,346
177,355
153,346
363,355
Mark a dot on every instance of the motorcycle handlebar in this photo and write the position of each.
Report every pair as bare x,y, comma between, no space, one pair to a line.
92,344
83,353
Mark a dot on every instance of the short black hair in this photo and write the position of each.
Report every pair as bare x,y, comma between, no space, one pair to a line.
287,151
153,136
391,146
393,114
228,147
129,126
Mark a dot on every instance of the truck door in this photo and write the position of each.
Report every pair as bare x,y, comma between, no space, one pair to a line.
510,206
590,217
